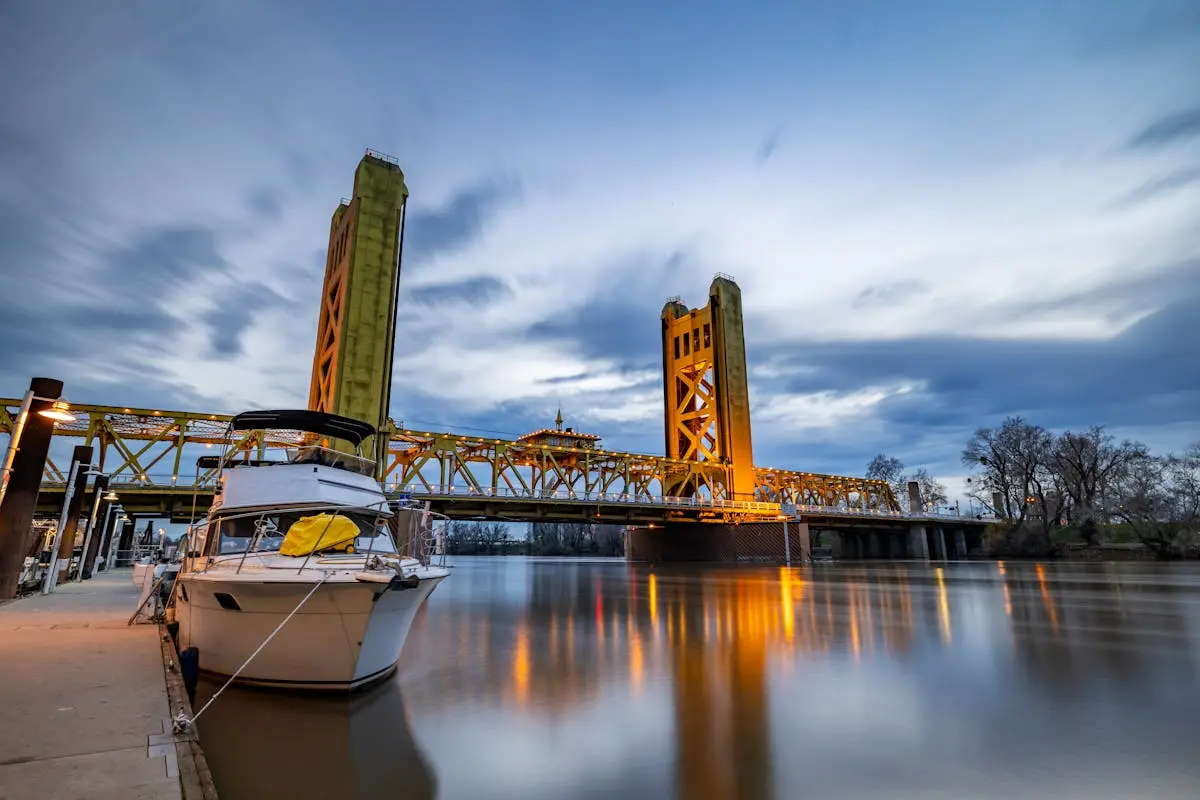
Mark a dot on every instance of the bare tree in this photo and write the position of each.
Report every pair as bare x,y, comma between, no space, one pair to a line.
1143,503
889,469
1084,466
1159,498
933,493
1013,462
576,538
492,535
1185,485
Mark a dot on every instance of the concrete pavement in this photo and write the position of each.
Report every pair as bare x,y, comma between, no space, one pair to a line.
81,695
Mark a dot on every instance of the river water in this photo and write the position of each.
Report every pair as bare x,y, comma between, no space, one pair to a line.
548,678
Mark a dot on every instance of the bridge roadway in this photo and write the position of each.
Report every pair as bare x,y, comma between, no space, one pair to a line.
150,456
181,503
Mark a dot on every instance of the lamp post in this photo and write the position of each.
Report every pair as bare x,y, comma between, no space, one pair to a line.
85,569
21,475
51,578
113,538
59,411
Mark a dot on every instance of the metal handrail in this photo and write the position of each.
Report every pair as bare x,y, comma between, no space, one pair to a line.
568,495
164,481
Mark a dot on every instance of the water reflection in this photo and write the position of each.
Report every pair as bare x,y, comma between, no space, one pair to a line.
529,678
262,744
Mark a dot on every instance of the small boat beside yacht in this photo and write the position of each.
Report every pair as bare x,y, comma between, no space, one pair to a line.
296,577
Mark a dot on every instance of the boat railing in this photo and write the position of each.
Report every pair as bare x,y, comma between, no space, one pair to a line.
263,527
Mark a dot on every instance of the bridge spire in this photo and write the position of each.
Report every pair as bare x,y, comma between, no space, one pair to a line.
706,394
356,331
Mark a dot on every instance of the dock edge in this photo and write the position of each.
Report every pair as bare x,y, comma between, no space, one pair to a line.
195,779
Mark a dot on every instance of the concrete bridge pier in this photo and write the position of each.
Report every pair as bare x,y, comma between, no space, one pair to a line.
939,543
752,542
918,543
960,543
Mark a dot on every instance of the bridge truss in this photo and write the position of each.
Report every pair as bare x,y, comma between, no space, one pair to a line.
150,456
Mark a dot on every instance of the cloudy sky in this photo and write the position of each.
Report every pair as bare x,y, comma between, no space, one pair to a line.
938,215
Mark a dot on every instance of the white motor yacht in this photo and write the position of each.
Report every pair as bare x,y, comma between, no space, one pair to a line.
300,558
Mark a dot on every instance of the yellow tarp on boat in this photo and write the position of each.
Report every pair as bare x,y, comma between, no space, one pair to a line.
318,534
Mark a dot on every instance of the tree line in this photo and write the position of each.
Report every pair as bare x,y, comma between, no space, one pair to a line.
1038,481
1045,486
543,539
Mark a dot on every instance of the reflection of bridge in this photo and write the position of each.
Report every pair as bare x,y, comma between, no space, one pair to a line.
706,475
706,644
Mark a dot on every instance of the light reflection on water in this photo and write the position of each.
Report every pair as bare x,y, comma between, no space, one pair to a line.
529,678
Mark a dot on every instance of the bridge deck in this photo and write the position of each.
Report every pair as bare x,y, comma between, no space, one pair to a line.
151,455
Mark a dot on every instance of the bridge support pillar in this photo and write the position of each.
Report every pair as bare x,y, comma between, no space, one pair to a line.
918,545
939,543
798,533
750,542
848,551
960,543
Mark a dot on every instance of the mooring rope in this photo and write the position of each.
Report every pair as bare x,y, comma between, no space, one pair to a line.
182,719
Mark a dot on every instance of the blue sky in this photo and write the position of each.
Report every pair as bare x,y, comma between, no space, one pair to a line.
939,213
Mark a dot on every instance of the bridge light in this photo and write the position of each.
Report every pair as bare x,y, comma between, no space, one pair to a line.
59,411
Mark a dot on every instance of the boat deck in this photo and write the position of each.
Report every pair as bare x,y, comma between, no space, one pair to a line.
82,696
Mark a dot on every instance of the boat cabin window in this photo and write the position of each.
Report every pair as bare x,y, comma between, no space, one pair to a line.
264,533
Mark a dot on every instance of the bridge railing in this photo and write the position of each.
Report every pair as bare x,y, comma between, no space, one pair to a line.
156,482
570,496
149,481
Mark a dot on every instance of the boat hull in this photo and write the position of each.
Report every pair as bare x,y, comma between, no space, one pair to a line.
347,635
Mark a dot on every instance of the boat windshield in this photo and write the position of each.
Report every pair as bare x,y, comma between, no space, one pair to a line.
264,533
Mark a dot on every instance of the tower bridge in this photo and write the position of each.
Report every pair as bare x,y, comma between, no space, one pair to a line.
694,499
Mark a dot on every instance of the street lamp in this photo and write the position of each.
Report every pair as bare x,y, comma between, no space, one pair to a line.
51,577
59,411
122,518
109,497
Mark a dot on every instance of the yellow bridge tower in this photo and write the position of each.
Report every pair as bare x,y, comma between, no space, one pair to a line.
356,333
706,396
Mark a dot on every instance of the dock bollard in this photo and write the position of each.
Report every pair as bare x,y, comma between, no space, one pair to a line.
189,670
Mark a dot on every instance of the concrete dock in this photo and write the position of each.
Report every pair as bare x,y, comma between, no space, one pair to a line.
83,697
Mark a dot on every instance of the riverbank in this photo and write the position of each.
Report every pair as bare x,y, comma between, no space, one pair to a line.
86,700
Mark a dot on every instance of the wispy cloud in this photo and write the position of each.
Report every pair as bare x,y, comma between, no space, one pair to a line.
1158,187
472,291
769,145
431,232
891,293
1175,127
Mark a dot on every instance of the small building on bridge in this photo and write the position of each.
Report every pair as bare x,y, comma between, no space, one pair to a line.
558,436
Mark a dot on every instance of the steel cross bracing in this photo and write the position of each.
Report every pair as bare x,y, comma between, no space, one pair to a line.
152,453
